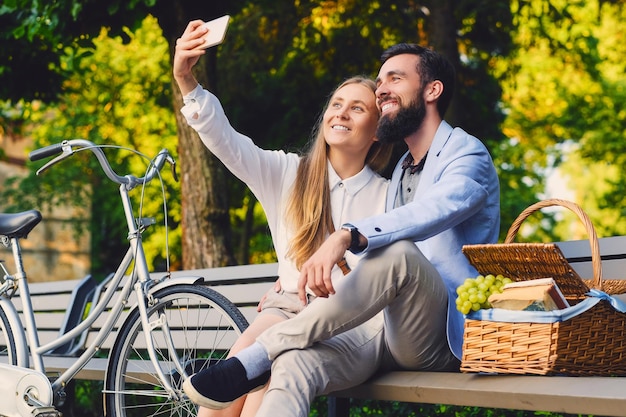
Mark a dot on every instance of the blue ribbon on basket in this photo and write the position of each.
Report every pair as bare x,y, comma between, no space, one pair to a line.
553,316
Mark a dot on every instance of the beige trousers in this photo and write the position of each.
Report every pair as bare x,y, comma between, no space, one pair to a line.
389,313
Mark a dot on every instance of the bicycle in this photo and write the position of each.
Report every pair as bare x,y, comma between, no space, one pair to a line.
146,366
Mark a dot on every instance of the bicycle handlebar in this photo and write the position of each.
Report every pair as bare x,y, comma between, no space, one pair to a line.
66,150
45,152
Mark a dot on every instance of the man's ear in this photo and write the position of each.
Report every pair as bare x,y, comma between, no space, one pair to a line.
433,91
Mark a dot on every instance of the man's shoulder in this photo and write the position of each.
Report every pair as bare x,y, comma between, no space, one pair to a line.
460,133
460,141
446,135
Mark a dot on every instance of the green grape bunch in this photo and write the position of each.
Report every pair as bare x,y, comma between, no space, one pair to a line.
474,293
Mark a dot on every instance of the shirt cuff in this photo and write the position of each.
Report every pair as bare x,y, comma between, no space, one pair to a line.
191,97
192,104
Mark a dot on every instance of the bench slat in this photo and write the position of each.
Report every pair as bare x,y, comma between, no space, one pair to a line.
46,302
604,396
613,249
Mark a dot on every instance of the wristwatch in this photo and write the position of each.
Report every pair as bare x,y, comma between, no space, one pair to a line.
355,244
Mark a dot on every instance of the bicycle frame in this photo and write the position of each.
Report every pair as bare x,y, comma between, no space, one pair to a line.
140,282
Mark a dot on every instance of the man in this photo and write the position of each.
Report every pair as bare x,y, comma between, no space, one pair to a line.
444,194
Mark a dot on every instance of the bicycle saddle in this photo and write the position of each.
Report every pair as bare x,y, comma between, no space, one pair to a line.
18,225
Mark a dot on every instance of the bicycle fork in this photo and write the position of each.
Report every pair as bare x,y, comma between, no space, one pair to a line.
149,327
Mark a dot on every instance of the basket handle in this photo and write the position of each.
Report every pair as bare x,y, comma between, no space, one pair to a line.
596,261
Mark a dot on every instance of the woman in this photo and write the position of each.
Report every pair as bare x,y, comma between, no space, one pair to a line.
304,197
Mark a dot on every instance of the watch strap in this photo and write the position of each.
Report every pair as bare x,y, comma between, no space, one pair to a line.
355,246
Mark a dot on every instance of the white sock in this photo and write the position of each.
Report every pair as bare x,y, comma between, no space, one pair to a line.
255,360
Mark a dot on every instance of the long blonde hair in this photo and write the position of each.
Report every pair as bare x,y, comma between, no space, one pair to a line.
308,208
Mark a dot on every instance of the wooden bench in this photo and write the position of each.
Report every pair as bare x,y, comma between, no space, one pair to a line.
244,285
60,305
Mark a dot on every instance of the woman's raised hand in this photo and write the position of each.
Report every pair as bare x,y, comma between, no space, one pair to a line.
187,55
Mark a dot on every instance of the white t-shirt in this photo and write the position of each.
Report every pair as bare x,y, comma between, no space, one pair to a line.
270,175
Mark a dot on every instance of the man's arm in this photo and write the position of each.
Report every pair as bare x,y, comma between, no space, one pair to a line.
458,189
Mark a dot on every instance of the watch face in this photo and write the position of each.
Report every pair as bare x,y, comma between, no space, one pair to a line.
348,227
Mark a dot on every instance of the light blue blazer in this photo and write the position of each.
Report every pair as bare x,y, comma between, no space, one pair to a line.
457,202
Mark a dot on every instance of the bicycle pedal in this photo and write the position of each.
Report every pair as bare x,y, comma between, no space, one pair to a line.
46,412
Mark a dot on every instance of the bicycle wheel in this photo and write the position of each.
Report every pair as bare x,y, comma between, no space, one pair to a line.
8,353
203,324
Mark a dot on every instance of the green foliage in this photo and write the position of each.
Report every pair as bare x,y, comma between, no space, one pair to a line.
118,95
485,29
598,185
564,85
363,408
34,34
84,399
250,229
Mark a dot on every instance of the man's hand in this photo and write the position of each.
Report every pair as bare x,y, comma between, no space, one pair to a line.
315,273
187,55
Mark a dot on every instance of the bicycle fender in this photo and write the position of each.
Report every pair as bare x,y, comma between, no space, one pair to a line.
178,280
18,331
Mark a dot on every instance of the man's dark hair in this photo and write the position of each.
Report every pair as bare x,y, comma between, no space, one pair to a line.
431,66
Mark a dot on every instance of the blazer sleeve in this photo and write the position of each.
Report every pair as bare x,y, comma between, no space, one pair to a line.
455,185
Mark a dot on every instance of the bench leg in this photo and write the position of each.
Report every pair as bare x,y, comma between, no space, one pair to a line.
338,407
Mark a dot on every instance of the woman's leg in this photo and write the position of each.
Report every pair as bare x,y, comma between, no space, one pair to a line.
345,360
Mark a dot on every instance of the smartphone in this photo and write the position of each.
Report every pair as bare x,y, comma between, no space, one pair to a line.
217,31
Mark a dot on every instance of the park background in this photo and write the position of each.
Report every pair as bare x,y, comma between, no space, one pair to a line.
540,82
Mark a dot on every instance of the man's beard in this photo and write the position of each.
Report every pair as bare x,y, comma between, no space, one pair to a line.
395,128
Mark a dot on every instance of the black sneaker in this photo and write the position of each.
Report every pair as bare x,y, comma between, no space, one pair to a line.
219,385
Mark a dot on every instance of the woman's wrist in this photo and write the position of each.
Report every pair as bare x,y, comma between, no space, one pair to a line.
186,83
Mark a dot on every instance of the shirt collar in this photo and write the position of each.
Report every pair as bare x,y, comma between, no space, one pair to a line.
413,168
351,185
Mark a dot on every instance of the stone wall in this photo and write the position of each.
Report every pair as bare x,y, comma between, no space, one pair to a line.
53,251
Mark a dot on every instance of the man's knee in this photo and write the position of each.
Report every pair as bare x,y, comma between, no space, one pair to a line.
399,248
399,256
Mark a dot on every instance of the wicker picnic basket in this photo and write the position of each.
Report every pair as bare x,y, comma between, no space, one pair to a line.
592,343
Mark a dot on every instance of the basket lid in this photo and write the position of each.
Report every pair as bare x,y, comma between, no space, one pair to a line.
526,261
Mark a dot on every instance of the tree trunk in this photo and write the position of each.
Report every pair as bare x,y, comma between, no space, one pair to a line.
205,219
441,28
